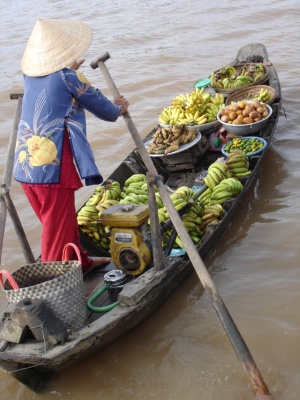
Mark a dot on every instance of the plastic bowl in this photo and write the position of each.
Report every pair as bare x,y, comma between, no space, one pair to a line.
255,153
246,129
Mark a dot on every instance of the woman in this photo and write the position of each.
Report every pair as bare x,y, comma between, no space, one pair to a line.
52,152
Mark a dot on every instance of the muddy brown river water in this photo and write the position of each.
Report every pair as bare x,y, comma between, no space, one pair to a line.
159,49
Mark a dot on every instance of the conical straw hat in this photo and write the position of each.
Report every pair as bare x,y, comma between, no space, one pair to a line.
54,44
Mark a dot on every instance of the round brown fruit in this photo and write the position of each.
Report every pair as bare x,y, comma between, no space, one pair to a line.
248,120
225,118
241,105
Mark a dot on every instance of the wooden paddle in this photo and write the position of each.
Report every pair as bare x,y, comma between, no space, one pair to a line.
258,384
6,202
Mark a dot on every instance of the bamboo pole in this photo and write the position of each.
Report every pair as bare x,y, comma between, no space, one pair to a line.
258,385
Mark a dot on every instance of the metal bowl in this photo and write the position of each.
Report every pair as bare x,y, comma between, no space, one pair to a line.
246,129
200,128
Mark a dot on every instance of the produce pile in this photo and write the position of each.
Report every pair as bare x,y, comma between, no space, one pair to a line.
195,108
222,183
168,139
263,96
247,145
230,77
244,112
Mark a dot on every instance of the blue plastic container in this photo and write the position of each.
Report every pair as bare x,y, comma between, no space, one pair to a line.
255,153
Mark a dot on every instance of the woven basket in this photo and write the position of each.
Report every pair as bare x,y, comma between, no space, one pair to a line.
239,68
250,93
58,283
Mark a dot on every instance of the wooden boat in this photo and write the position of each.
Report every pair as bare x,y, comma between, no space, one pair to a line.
30,361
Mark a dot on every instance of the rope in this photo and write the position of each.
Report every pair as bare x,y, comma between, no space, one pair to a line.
153,179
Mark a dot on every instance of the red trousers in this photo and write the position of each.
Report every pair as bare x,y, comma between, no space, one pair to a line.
55,208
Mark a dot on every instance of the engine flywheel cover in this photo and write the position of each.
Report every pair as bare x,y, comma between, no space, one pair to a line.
130,260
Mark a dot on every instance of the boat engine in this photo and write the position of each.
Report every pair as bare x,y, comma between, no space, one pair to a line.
130,246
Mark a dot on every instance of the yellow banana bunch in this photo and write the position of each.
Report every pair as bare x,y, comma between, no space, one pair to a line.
187,109
264,95
211,214
105,204
87,214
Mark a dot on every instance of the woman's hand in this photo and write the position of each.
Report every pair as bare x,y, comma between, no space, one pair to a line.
123,103
77,63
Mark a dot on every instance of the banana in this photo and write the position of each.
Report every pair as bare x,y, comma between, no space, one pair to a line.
221,194
240,175
208,216
239,170
135,178
221,166
159,201
208,180
176,202
212,173
190,226
143,198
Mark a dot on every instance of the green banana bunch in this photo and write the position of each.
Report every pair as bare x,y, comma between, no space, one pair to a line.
135,178
204,198
178,201
226,189
238,164
184,192
215,174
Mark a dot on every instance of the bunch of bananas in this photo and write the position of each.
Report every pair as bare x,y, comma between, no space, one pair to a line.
88,215
264,96
226,189
95,232
105,204
193,222
211,214
168,139
204,199
238,164
259,72
192,108
135,190
229,77
110,191
217,171
104,197
89,224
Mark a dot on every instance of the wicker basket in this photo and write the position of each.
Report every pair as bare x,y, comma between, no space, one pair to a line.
250,93
239,68
58,283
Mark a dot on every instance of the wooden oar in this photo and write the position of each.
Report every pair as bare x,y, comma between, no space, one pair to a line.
234,335
9,166
17,224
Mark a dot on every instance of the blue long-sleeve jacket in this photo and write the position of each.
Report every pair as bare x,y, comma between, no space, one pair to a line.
52,104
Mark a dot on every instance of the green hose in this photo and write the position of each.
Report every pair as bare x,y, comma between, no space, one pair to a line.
103,309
